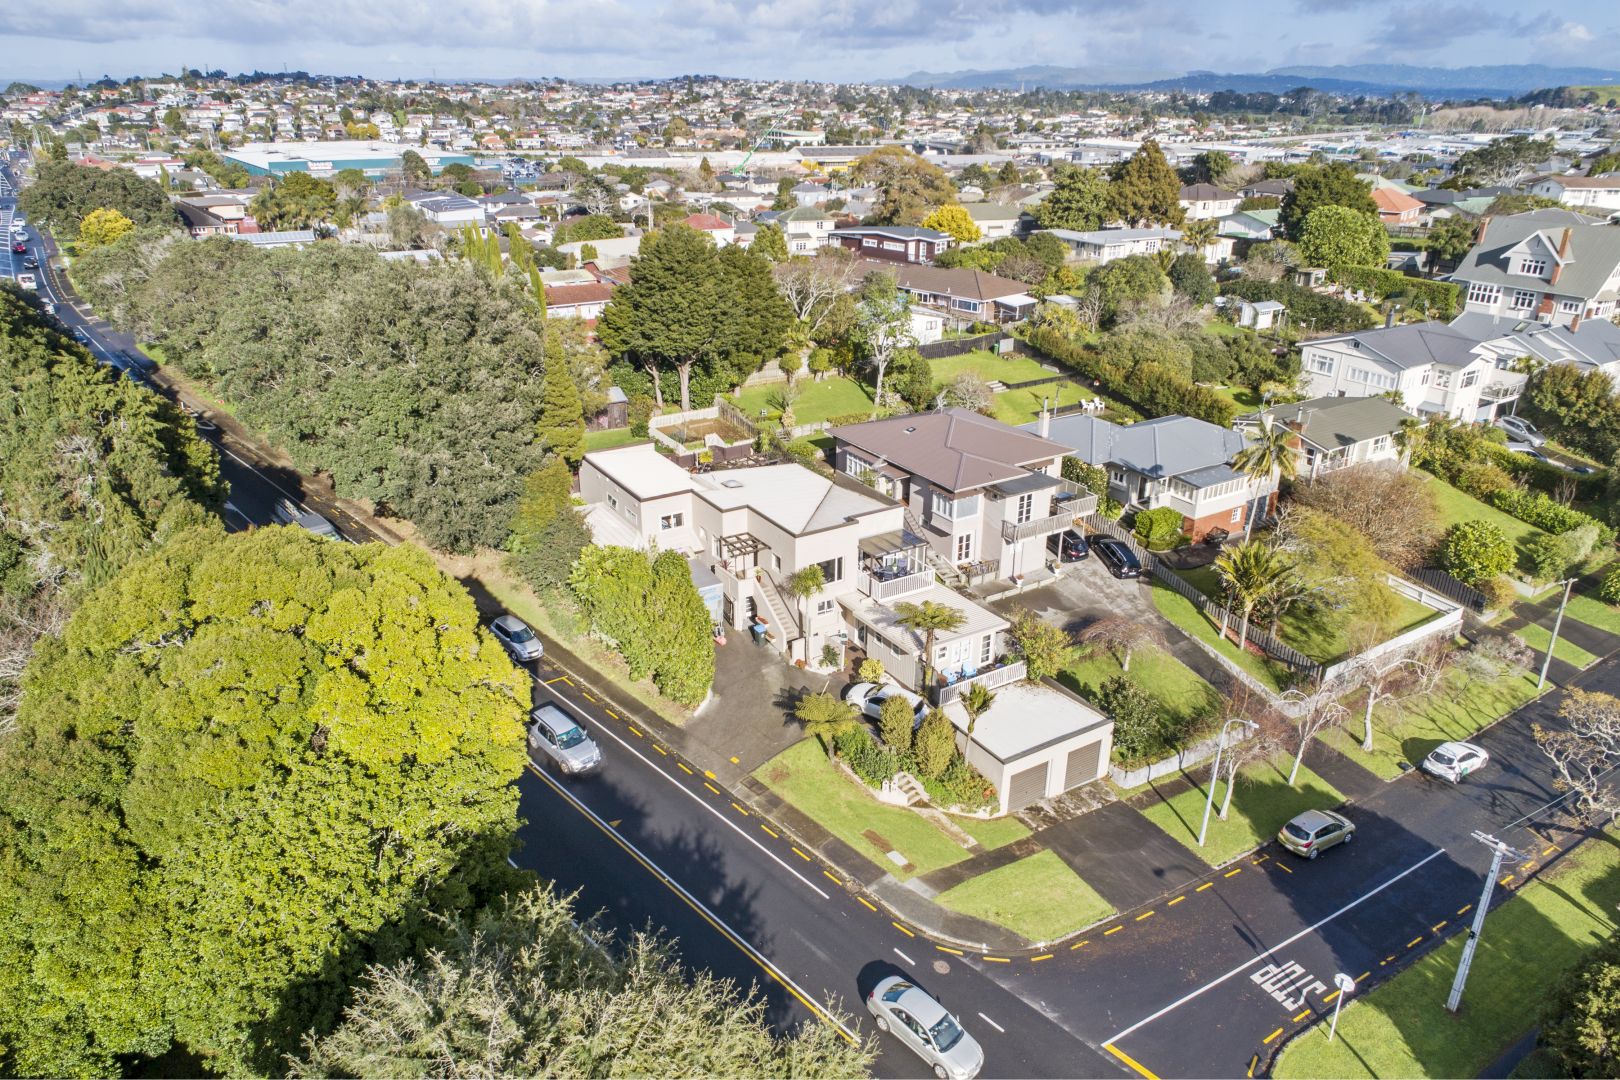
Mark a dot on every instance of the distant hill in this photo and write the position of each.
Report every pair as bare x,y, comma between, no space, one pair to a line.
1498,81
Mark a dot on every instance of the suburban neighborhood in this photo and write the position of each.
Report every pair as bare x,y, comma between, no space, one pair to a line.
986,573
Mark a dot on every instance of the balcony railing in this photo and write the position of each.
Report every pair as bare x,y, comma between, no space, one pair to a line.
989,678
1012,533
883,590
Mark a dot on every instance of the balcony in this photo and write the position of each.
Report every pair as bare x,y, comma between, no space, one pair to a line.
990,678
1044,526
884,586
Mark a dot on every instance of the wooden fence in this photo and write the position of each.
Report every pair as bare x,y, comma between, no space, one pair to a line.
1443,583
957,346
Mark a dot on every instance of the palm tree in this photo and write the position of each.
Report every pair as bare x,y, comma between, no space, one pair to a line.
928,618
1249,572
976,702
825,717
1198,234
802,585
1270,453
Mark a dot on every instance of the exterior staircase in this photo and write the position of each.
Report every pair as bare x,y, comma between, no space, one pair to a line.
785,627
910,787
942,566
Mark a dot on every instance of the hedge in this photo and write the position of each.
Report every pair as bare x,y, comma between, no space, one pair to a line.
1152,388
1438,297
1536,508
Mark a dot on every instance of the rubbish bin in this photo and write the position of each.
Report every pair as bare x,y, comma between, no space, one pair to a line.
758,630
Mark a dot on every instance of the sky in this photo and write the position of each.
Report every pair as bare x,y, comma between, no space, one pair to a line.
834,40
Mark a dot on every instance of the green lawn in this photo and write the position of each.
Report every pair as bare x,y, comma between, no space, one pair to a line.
1245,399
1405,731
1402,1028
1537,636
1022,406
992,833
1593,612
803,776
1321,639
1181,611
1458,506
1179,689
991,367
607,440
1261,804
1038,897
833,396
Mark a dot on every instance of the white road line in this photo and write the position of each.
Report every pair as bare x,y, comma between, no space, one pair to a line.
992,1023
229,453
1174,1005
906,958
689,793
741,942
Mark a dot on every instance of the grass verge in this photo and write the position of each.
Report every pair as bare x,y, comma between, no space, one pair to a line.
1179,610
1261,804
1037,897
992,833
1403,1029
1405,731
803,776
1537,636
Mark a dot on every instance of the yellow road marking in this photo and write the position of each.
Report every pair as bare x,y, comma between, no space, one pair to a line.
1464,909
1253,1061
611,713
1261,859
1177,900
828,874
633,730
867,902
1233,873
801,854
1132,1062
1078,944
1205,885
1144,915
1505,880
774,835
710,775
711,787
560,678
1115,930
736,761
1414,942
1363,975
739,810
588,697
684,769
996,959
904,930
1330,998
1435,929
1038,959
660,749
1283,867
1268,1039
1549,849
1301,1016
947,948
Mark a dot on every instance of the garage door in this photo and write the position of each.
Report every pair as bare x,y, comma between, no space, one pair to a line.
1082,765
1027,787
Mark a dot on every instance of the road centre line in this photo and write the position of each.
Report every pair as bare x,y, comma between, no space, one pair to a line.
904,957
732,825
992,1023
1275,948
697,905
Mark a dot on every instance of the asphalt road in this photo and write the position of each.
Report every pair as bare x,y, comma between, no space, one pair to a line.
1206,982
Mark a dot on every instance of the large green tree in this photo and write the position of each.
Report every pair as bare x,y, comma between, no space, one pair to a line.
62,194
1337,237
247,767
1328,185
296,201
909,186
562,419
1146,190
1080,201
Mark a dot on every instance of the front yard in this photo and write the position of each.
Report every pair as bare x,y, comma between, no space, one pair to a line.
1038,897
1190,619
1402,1028
1261,804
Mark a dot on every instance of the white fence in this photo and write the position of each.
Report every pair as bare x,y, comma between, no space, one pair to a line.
1449,621
1177,762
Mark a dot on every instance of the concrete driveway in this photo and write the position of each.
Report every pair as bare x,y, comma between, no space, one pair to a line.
1087,592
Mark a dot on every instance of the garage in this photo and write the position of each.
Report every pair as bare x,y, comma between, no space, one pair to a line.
1035,742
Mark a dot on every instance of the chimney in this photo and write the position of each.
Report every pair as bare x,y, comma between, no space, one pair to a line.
1479,235
1563,254
1046,421
1575,323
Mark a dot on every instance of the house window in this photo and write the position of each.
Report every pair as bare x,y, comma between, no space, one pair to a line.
854,466
1523,298
670,521
612,501
944,505
1322,365
985,647
1380,444
832,570
1480,293
867,241
892,245
1533,267
1026,508
1237,514
1469,379
776,562
964,548
1569,307
824,607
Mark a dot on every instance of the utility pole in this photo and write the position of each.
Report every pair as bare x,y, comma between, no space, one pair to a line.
1546,662
1499,851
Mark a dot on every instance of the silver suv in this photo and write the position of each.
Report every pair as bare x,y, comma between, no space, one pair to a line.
556,734
288,512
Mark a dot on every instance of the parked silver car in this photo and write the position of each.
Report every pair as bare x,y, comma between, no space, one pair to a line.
520,643
926,1028
286,511
559,736
1520,430
1455,760
1314,831
869,698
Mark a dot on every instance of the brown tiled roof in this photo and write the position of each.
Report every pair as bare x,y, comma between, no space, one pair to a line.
967,284
954,449
570,295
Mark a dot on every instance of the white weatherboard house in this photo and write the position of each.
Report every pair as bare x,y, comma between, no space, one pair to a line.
1434,367
1540,267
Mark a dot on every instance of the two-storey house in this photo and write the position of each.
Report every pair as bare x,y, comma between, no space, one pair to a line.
1537,266
806,229
1433,367
1200,201
1175,461
893,243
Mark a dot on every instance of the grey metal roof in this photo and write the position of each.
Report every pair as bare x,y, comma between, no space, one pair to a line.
1030,481
1104,237
1412,345
1331,422
1595,343
1168,446
953,449
1210,477
1594,252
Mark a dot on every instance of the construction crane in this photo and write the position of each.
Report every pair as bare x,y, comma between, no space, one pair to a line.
770,132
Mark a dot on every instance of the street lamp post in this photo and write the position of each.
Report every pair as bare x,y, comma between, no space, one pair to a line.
1215,772
1546,662
1499,851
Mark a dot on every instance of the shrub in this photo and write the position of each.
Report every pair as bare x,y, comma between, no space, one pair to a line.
870,670
894,724
1151,387
935,745
1158,525
1483,479
1475,551
1548,556
1539,509
1437,298
1582,540
1609,591
873,763
1499,592
1580,1020
640,412
1044,648
960,786
1140,729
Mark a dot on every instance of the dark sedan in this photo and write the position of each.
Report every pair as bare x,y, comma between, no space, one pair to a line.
1117,556
1068,545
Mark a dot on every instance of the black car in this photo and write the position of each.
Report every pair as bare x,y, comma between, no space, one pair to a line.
1068,545
1117,556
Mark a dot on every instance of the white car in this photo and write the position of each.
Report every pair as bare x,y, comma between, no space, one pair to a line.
28,281
1455,760
1520,430
520,643
927,1029
869,698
